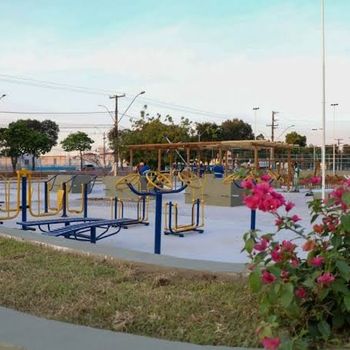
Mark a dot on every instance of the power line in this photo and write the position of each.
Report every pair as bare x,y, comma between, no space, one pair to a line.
104,92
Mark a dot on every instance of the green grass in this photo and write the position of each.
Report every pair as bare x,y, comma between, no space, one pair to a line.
197,307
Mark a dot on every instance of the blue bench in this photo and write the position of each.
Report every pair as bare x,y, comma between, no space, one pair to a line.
87,231
41,223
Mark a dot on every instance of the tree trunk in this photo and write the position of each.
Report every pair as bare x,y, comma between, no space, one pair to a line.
33,162
81,160
14,163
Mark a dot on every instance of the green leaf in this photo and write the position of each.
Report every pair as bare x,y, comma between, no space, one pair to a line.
345,222
346,198
249,245
275,270
347,302
324,329
314,217
336,241
323,293
255,281
340,286
310,283
344,269
338,319
287,294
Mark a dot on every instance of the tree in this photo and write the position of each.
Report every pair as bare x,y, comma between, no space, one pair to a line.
28,136
78,141
149,129
207,132
236,129
293,138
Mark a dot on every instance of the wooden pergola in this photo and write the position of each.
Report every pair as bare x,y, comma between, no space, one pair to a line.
223,147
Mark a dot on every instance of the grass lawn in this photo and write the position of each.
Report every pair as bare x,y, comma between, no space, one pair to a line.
196,307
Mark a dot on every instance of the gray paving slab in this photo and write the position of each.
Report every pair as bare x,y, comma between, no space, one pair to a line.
20,330
123,254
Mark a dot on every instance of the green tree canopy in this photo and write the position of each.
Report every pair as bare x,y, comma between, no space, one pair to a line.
293,138
78,141
236,129
28,136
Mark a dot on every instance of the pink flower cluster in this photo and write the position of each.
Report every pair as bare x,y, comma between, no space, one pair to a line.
262,196
271,343
326,279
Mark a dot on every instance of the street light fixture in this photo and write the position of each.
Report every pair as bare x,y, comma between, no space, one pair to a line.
255,109
109,112
2,96
289,127
116,125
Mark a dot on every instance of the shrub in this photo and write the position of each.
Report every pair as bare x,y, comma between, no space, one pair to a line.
303,289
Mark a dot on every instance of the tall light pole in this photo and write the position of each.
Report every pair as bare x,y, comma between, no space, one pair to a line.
116,125
255,109
334,105
323,103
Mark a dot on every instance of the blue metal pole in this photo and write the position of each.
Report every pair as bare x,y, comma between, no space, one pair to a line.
115,207
158,223
93,235
198,211
24,201
46,199
252,219
85,199
64,204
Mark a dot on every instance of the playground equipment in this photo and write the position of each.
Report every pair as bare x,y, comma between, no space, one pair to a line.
125,195
157,187
10,210
171,212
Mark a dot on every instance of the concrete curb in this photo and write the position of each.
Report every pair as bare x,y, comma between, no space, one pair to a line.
122,254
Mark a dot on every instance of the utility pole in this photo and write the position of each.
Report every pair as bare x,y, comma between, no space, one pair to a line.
273,126
104,149
116,130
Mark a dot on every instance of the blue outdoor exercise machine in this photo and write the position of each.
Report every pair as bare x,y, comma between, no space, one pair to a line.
158,184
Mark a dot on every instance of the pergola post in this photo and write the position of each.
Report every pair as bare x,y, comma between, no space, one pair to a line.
131,158
226,163
220,155
188,156
256,157
289,169
159,159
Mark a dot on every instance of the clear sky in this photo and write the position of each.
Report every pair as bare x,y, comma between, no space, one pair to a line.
218,56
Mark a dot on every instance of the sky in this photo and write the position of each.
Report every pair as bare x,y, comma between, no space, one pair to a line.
207,60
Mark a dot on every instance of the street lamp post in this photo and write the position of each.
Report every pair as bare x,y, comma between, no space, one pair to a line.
116,125
255,109
289,127
323,103
334,105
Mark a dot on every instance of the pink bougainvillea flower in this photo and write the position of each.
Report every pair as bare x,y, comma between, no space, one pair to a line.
268,277
288,246
315,180
295,218
318,228
294,262
276,254
317,261
271,343
285,275
265,177
262,245
279,221
301,293
309,245
247,184
326,279
289,206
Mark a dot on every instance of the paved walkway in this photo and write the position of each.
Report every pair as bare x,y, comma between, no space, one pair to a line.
23,331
